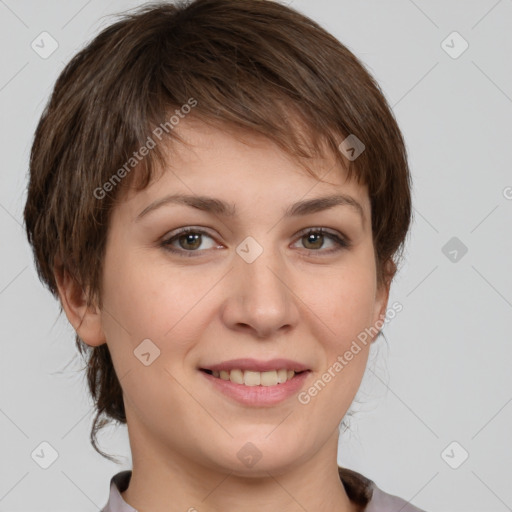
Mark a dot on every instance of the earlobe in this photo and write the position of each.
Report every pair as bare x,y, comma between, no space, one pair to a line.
381,304
85,319
382,296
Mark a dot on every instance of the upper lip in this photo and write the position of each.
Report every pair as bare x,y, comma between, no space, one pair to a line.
256,365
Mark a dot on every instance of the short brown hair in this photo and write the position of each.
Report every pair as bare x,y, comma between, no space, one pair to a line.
252,65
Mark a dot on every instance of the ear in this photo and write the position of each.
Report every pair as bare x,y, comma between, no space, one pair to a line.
382,297
86,320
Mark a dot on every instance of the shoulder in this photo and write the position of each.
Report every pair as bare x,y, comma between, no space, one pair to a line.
118,483
369,497
383,502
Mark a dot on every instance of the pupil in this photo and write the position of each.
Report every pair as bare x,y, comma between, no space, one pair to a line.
311,237
192,237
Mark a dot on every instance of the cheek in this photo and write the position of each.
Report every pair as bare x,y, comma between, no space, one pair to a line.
345,302
340,316
152,301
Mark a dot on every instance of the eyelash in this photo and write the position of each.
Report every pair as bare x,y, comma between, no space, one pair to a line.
342,243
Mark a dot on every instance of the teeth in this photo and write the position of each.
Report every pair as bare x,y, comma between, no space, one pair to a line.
235,376
253,378
282,375
270,378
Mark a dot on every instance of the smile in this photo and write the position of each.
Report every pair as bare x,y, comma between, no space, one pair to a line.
256,388
250,378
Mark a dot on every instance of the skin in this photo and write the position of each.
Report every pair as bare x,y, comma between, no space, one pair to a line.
290,302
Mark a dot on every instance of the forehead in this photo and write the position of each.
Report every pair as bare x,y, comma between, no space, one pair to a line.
241,167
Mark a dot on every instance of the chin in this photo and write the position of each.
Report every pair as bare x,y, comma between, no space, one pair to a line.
257,456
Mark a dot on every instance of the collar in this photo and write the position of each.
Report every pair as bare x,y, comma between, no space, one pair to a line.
361,490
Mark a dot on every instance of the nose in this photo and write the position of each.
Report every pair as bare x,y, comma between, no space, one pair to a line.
260,300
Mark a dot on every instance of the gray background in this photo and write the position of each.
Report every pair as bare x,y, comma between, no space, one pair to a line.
442,376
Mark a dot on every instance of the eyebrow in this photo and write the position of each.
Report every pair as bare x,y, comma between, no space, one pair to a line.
221,208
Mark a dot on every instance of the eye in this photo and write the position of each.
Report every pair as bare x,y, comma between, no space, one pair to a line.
315,237
189,240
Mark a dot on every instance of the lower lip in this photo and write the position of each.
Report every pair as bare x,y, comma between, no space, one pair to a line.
258,395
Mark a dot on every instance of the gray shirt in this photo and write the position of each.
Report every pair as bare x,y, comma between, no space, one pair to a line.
360,490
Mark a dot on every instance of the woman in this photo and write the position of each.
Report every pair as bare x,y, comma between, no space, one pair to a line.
219,194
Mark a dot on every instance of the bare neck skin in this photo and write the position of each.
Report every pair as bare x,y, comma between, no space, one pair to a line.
178,484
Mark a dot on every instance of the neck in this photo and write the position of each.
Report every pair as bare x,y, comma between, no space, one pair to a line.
161,480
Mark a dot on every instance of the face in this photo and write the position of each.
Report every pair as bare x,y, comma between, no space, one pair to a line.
258,283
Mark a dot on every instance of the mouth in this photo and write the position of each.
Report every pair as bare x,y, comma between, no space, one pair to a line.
257,383
254,378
